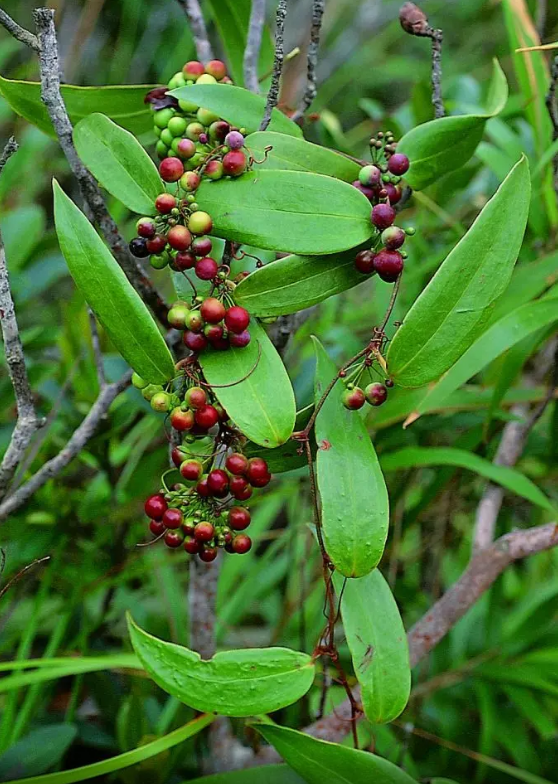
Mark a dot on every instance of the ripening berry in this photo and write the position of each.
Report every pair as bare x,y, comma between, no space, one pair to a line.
156,244
191,470
164,203
239,518
206,79
173,539
196,397
181,420
241,340
353,399
214,170
200,223
393,237
376,394
146,227
171,169
370,176
185,149
194,131
206,268
218,130
365,190
194,321
183,261
388,264
155,506
208,554
218,482
393,192
258,472
160,402
179,238
234,140
240,488
236,463
398,164
383,215
195,341
207,417
192,69
156,527
206,117
138,247
191,545
201,246
234,163
177,316
173,518
212,310
190,181
241,544
204,531
364,261
214,333
217,69
237,319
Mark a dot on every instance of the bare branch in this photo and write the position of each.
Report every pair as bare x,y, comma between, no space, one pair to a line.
552,106
202,594
273,94
312,58
196,22
253,46
19,33
414,21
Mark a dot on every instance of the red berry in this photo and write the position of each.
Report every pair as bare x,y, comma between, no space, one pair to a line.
185,148
241,544
173,518
194,321
156,244
217,69
240,488
194,341
191,470
218,482
190,181
214,169
241,340
393,192
207,417
206,268
388,264
257,470
202,488
191,546
218,130
364,262
353,399
239,518
178,455
212,310
234,163
237,319
383,216
183,261
155,506
204,532
164,203
398,164
376,394
196,397
146,227
208,554
221,344
192,69
181,420
179,238
171,169
201,246
214,333
237,463
157,527
364,189
174,538
393,237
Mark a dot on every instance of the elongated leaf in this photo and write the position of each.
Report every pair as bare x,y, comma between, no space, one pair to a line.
40,750
447,317
125,760
262,402
297,282
54,669
109,293
289,211
119,163
510,478
232,683
270,774
353,494
318,761
501,336
237,106
289,152
443,145
122,103
378,645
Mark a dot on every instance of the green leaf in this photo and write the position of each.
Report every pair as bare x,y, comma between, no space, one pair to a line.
443,145
232,683
294,154
529,280
270,774
287,211
38,751
237,106
122,103
353,493
451,311
259,399
61,667
109,293
297,282
288,456
510,478
378,645
500,337
318,761
125,760
119,162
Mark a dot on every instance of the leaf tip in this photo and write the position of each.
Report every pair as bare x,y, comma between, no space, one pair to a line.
413,416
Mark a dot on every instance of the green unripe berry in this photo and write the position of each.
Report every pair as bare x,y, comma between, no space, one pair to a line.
177,316
156,131
150,390
200,223
194,206
187,106
138,382
161,149
206,116
206,79
410,231
160,402
177,126
166,137
159,261
162,117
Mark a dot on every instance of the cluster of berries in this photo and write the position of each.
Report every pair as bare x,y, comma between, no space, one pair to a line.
194,411
209,322
354,397
380,183
195,515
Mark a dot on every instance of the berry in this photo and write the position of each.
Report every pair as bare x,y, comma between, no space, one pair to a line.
155,506
196,397
218,482
181,420
164,203
204,532
185,149
239,518
184,261
201,246
173,518
160,402
393,192
393,237
156,527
237,464
138,247
234,162
192,69
202,488
218,130
206,117
234,140
240,488
208,554
194,321
398,164
173,539
176,126
206,268
194,131
207,417
353,399
214,170
214,333
171,169
376,394
241,340
212,310
200,223
364,189
206,79
237,319
383,216
156,244
364,261
194,341
216,68
190,181
179,238
388,264
258,472
138,382
150,390
177,316
162,117
241,544
145,227
191,546
369,175
192,470
159,261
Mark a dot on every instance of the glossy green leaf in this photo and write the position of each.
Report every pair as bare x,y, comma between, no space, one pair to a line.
110,295
378,644
122,103
295,212
297,282
288,456
43,748
353,493
232,683
119,162
270,774
125,760
237,106
451,311
294,154
510,478
443,145
501,336
254,388
318,761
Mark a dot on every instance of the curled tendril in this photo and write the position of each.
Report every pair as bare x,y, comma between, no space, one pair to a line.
267,150
233,383
153,541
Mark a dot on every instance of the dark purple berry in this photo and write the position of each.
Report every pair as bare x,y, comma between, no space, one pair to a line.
398,164
383,216
376,394
388,264
364,262
138,247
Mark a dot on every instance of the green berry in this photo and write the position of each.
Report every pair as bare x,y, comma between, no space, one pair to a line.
150,390
187,106
138,382
159,261
162,117
206,79
161,149
206,116
160,402
157,131
166,137
177,126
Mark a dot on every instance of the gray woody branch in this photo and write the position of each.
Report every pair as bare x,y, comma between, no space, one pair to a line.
312,59
273,94
196,23
414,21
253,45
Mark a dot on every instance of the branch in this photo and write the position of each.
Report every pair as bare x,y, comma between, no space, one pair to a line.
415,22
253,45
312,59
27,421
273,94
196,22
552,106
19,33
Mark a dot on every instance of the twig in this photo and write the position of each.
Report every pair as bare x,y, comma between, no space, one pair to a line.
312,59
202,593
415,22
273,94
540,21
97,353
27,420
253,46
196,21
19,33
16,578
552,106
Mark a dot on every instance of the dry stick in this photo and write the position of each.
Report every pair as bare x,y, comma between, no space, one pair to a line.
199,31
253,45
415,22
273,94
19,33
312,59
27,420
552,106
